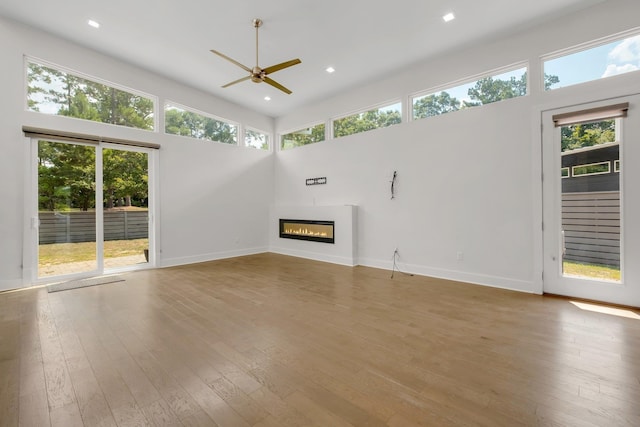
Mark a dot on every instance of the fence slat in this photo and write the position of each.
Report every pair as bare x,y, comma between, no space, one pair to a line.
76,227
591,222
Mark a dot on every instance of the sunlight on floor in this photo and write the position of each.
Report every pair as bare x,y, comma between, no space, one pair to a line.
620,312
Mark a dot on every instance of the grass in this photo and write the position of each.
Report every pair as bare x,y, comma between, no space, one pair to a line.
63,253
591,271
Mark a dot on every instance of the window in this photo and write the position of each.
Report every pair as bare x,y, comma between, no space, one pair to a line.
564,172
486,90
180,120
616,166
368,120
592,169
51,90
596,62
256,139
301,137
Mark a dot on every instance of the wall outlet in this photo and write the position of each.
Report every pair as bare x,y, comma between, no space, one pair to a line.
460,256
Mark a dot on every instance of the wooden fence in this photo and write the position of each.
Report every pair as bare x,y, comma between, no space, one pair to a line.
591,223
75,227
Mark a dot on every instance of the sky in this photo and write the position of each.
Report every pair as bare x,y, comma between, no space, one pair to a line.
604,61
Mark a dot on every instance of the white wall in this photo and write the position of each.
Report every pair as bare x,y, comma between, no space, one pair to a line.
214,198
467,182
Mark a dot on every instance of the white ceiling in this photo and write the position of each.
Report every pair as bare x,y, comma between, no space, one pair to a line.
362,40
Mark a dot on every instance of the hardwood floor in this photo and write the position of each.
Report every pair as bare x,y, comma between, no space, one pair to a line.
269,340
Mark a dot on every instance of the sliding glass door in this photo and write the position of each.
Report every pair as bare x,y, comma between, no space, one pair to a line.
66,209
92,208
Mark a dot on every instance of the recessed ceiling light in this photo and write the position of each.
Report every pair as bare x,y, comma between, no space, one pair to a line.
267,98
330,70
94,24
449,17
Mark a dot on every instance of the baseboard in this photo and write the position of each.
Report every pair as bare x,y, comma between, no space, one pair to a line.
173,262
12,284
315,256
458,276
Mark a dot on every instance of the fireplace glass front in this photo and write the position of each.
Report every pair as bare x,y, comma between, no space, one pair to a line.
301,229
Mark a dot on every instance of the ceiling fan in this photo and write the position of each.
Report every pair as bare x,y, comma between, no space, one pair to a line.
257,74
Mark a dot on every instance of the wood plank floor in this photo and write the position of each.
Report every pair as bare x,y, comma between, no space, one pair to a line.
269,340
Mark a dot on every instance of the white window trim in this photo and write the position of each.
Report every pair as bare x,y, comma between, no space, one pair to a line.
202,113
470,79
568,172
298,129
373,107
32,59
573,174
588,45
252,129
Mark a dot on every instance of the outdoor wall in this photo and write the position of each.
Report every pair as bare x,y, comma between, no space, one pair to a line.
213,198
468,199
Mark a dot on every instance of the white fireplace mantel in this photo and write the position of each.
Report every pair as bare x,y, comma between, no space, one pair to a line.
343,251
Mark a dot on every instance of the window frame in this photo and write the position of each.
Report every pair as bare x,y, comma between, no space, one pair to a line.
580,175
203,114
374,107
300,128
27,59
252,129
466,80
583,47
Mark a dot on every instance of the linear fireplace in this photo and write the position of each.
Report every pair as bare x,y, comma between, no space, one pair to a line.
302,229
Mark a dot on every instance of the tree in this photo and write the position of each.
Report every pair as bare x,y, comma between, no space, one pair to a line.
490,90
587,134
57,92
363,122
303,137
66,176
434,105
125,176
188,123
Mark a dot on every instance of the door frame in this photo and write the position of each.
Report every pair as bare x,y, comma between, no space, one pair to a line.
616,291
31,229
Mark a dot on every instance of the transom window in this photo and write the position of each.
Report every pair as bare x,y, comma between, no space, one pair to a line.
509,84
365,121
620,56
300,137
184,121
53,90
256,139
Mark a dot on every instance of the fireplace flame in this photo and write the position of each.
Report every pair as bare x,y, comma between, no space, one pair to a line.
305,232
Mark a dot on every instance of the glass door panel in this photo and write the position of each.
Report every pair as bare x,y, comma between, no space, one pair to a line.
126,207
66,209
590,207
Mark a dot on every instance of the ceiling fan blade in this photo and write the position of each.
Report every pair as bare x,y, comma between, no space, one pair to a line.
237,81
281,66
276,85
244,67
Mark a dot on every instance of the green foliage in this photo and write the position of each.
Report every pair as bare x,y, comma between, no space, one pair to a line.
303,137
256,139
587,134
363,122
484,91
434,105
188,123
56,92
125,177
490,90
66,177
